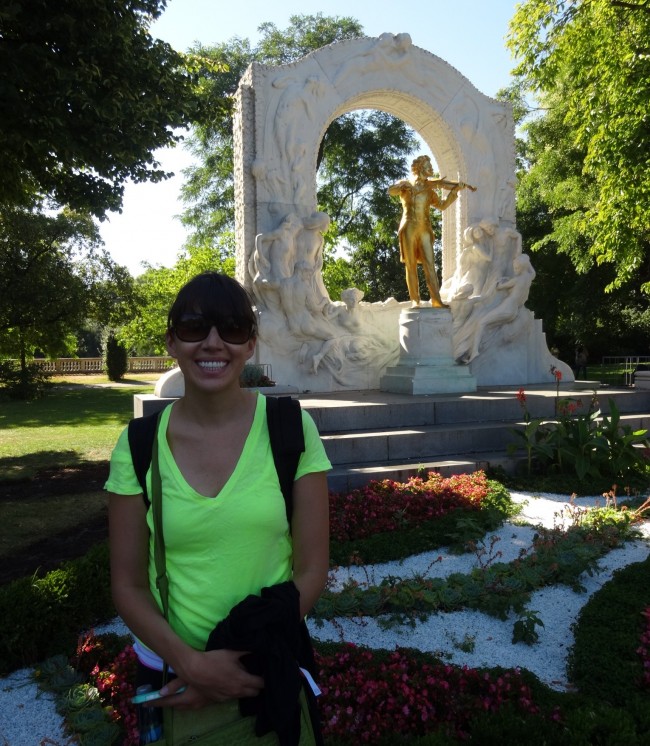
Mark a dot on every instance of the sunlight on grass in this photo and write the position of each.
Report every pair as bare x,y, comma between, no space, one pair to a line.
91,380
71,425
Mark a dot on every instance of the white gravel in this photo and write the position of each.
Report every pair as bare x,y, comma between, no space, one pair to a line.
471,638
27,715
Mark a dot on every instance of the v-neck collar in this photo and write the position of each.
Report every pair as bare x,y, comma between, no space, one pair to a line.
167,456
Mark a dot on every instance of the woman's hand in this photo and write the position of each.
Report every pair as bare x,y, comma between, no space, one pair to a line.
212,676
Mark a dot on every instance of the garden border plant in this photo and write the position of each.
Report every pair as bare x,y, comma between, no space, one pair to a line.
588,444
558,556
386,520
42,616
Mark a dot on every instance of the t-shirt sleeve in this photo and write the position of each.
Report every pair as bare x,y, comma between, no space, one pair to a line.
313,458
122,479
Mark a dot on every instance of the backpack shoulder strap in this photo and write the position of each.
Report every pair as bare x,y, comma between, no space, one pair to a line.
142,431
287,438
284,420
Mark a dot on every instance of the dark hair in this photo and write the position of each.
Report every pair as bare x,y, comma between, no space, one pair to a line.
213,295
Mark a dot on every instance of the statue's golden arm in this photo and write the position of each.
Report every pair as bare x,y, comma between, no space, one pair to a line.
446,184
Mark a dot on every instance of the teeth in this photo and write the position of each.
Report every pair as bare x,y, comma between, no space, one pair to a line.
212,364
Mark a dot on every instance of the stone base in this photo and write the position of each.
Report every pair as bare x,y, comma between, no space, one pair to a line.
428,379
426,363
144,404
642,380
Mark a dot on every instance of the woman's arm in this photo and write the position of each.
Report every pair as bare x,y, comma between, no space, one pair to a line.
214,676
129,552
310,533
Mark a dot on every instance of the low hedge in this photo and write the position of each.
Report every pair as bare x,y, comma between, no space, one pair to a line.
43,616
610,624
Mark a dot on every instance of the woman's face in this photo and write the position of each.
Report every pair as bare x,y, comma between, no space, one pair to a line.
212,364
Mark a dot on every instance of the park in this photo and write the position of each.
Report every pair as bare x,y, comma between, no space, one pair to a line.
474,361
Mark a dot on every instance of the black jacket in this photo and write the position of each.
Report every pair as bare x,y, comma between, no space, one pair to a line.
269,626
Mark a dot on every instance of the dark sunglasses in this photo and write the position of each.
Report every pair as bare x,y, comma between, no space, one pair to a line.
196,329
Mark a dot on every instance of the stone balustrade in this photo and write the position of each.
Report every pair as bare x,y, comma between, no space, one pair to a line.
87,365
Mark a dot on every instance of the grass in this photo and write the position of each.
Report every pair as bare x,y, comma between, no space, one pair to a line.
612,374
77,422
133,379
29,520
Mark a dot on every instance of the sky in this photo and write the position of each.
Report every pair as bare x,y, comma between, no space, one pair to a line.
468,34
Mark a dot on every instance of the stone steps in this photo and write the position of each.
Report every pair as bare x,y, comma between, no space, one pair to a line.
376,435
379,435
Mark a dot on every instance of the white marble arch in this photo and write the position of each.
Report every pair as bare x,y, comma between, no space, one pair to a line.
282,114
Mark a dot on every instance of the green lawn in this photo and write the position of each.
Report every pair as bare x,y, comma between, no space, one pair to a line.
611,374
73,424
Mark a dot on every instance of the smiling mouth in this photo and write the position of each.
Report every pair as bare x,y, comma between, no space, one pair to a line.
212,365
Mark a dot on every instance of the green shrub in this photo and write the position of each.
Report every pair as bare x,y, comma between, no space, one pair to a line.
253,376
29,383
457,529
597,723
44,616
116,362
507,726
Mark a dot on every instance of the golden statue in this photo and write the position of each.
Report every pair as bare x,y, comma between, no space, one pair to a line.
415,233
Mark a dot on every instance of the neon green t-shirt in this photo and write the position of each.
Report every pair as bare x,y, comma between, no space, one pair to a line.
219,549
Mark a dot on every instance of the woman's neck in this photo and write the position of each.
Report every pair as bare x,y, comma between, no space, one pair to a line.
219,408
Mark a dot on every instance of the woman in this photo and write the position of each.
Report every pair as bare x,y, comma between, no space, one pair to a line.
226,533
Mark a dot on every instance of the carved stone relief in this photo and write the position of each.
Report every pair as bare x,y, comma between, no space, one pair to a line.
282,115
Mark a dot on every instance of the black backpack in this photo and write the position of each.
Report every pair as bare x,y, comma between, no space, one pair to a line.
285,433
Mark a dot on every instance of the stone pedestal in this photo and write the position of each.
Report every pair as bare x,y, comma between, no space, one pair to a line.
642,380
426,364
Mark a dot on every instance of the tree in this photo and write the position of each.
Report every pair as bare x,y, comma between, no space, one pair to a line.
157,287
554,199
209,187
116,362
111,303
597,53
337,274
360,155
50,264
86,96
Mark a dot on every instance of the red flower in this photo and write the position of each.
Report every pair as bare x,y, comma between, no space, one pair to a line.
386,505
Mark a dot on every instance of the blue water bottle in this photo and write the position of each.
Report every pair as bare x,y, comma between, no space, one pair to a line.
149,720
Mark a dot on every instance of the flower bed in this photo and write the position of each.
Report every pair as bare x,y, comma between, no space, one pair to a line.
400,696
367,694
387,505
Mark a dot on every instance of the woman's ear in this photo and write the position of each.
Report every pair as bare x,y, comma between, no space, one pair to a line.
252,343
170,343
